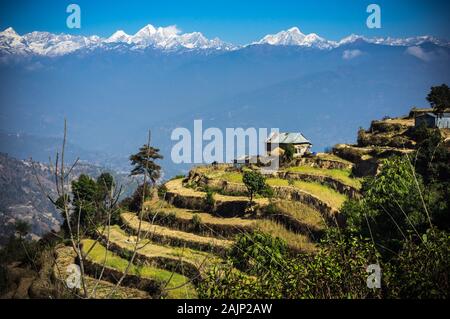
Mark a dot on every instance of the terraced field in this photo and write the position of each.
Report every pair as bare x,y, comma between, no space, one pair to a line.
321,191
165,283
228,228
173,237
181,237
100,289
341,175
165,256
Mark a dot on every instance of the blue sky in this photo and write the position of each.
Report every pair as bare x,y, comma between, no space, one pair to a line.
234,21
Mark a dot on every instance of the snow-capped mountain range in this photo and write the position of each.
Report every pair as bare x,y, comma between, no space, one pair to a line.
171,39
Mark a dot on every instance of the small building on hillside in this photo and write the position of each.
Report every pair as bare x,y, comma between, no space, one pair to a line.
277,141
432,120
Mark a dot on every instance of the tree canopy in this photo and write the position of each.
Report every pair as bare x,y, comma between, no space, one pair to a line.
439,98
255,183
144,163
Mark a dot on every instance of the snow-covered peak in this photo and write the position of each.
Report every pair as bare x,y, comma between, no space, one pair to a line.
147,30
170,38
12,43
49,44
351,39
149,35
294,30
118,36
294,36
197,40
163,38
10,32
410,41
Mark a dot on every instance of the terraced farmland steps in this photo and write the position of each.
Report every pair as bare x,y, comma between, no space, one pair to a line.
226,205
166,235
191,262
184,220
99,261
294,216
177,249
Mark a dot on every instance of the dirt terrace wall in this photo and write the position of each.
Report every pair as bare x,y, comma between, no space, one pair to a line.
224,209
322,163
291,193
296,226
180,242
388,127
171,264
205,228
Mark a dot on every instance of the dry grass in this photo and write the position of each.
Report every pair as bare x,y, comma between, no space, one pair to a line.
99,255
402,121
338,174
187,215
176,186
152,250
296,241
132,221
324,193
301,212
332,157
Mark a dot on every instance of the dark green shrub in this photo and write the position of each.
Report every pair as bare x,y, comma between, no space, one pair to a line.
257,252
421,268
197,222
162,190
209,200
255,183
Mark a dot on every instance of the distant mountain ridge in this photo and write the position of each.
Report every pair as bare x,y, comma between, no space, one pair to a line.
113,90
170,38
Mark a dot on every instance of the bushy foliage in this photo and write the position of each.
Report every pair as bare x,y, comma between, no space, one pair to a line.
432,162
162,190
289,151
209,200
255,183
439,97
144,163
196,222
421,268
337,270
397,224
257,252
90,203
224,282
142,193
391,206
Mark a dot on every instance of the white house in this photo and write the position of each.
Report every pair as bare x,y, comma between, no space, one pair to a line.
277,141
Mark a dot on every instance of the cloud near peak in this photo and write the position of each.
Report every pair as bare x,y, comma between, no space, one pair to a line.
351,54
